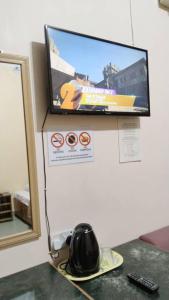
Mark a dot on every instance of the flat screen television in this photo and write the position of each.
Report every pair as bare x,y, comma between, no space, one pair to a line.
89,75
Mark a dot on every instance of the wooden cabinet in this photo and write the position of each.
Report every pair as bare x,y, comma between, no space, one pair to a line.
22,211
5,207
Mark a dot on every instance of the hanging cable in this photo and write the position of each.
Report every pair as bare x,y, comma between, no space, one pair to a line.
131,22
45,186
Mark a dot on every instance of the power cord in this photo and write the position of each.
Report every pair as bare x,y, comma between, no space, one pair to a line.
45,191
131,20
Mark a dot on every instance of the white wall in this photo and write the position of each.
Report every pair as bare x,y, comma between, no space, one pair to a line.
121,201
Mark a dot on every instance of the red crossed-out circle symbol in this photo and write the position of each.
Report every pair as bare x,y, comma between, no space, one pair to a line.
57,140
71,139
84,138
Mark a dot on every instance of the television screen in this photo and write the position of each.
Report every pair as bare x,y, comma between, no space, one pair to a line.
89,75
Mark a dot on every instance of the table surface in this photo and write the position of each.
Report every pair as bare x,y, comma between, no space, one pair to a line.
43,282
139,257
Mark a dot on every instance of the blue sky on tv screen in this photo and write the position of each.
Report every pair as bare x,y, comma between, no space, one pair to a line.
90,56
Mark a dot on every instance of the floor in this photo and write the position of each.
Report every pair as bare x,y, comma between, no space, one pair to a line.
13,227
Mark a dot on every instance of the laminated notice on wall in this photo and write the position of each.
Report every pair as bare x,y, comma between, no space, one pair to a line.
69,147
129,139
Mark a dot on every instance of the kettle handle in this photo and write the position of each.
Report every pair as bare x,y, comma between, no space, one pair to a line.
68,240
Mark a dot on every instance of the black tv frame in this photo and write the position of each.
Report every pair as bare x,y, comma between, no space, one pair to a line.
54,110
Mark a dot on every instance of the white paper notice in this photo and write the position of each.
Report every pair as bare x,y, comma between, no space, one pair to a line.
129,139
70,147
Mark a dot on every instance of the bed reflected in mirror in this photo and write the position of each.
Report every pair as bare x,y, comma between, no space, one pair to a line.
19,213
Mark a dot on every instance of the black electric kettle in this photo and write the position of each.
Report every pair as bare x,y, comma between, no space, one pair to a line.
83,252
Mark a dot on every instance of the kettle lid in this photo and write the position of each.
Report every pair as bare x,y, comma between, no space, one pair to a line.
85,227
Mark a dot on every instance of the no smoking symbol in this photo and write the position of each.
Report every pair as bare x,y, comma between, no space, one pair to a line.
57,140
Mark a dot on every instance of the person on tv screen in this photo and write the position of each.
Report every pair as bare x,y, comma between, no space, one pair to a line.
71,91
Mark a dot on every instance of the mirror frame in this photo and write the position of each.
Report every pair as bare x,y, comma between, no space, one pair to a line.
35,232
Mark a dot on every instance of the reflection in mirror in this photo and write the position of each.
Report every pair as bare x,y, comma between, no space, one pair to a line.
19,216
15,205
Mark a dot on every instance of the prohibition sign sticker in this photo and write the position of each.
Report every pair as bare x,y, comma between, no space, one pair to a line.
57,140
84,138
71,139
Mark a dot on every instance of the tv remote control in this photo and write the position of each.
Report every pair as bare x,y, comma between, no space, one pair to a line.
142,282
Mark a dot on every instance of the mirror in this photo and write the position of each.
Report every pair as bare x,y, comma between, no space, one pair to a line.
19,210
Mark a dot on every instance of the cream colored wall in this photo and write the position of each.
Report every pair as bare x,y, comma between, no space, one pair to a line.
121,201
13,155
